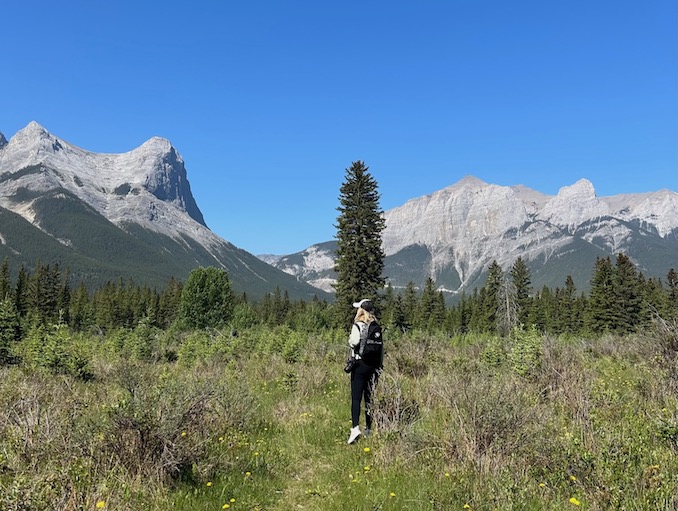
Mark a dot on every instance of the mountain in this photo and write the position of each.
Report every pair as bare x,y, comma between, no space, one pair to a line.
110,216
454,234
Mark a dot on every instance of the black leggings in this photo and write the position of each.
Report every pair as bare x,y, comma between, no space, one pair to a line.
363,380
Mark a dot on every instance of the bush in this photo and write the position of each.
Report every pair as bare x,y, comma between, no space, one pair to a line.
54,349
526,351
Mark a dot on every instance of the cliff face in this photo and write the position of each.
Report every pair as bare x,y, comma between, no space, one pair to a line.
454,234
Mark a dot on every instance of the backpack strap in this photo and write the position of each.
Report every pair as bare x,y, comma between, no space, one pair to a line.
364,331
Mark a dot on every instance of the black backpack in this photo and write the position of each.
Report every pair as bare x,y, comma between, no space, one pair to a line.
372,345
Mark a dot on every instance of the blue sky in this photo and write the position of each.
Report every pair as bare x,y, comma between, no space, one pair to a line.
269,102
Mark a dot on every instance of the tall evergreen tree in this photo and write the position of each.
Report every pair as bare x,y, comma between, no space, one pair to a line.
427,301
168,306
410,302
360,257
81,312
399,319
9,328
627,294
520,276
5,285
459,316
491,296
547,310
569,321
388,306
21,293
601,315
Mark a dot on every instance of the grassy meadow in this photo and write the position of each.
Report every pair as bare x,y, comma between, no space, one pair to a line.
156,420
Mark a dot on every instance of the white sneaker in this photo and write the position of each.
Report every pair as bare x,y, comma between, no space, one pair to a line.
355,433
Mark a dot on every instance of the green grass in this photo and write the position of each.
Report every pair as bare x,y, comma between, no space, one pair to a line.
587,424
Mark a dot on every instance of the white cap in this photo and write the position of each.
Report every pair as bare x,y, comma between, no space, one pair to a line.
365,304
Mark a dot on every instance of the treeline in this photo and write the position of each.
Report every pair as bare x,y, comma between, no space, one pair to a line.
620,300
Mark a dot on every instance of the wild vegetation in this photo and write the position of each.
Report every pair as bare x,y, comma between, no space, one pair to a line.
117,399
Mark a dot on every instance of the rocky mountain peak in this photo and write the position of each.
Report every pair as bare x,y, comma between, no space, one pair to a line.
573,205
146,184
453,235
156,145
3,141
126,215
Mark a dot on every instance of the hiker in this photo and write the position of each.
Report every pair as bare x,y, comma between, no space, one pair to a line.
366,344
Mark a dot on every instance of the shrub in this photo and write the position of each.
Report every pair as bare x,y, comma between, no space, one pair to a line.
526,351
391,410
54,349
165,426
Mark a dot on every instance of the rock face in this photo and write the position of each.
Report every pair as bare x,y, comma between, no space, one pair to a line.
129,214
147,185
454,234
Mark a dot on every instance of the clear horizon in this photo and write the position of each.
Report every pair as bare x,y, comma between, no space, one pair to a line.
268,104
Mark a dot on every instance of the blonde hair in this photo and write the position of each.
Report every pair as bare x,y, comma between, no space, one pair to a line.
364,316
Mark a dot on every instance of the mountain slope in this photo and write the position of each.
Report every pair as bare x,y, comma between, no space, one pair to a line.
454,234
129,215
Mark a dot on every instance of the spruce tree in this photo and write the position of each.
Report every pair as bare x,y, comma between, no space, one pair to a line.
360,257
628,297
520,276
410,303
427,301
9,328
601,315
81,313
569,322
21,295
5,285
490,296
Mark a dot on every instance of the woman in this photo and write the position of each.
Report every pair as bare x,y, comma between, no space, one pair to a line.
364,376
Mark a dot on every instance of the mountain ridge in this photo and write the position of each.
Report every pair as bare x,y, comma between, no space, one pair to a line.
453,234
140,198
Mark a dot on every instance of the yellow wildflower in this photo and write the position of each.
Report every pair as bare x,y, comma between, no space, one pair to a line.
392,494
100,504
574,501
209,483
366,449
225,506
